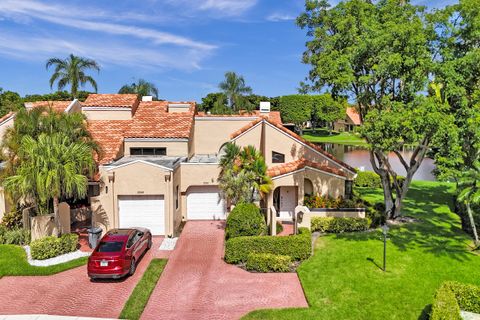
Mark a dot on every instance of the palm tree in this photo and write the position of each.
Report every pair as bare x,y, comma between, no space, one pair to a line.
243,174
469,185
142,88
72,71
32,124
53,167
234,88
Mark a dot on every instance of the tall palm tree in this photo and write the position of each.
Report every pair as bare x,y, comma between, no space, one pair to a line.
469,185
72,71
141,88
235,88
53,167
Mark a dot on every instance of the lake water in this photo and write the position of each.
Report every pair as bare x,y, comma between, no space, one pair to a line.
359,157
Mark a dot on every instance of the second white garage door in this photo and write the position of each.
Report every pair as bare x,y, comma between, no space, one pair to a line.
142,211
205,203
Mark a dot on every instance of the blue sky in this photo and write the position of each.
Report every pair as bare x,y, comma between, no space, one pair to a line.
183,46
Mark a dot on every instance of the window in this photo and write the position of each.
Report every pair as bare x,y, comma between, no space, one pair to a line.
110,246
176,197
148,151
348,189
278,157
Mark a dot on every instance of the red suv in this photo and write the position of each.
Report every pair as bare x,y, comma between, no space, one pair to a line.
118,252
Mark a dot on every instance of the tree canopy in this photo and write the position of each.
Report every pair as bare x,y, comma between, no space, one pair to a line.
72,71
381,55
141,88
234,88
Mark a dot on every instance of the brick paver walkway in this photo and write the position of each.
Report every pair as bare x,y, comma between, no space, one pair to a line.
70,293
198,284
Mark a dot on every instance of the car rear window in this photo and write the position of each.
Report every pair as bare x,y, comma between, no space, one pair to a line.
110,246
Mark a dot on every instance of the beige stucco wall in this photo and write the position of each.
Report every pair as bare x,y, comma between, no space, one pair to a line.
134,179
211,134
174,148
178,109
323,183
108,115
177,211
252,137
276,140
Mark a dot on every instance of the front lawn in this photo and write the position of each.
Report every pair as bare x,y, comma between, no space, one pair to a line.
324,136
139,298
343,279
13,262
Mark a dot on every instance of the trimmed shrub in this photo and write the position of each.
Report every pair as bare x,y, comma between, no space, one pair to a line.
49,247
368,179
245,220
267,262
376,214
319,201
16,236
12,219
339,225
467,295
298,247
445,305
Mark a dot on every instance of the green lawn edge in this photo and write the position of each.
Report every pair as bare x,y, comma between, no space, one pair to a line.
324,136
343,279
137,301
13,262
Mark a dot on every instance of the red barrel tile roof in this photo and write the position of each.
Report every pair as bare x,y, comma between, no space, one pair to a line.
111,100
354,116
296,165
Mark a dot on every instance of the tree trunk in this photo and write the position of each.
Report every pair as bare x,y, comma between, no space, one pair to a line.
472,222
390,204
56,215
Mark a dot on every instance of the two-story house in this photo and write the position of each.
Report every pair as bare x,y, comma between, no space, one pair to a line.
159,164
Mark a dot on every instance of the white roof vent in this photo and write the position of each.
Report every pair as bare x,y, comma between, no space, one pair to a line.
147,98
264,107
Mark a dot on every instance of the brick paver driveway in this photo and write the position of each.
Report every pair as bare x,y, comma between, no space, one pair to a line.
70,293
198,284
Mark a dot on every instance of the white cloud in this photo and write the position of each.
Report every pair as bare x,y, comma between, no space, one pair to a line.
144,46
219,8
27,47
277,17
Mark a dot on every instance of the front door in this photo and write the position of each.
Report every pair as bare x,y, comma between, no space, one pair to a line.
288,202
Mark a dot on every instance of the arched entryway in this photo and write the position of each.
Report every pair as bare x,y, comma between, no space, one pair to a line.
307,186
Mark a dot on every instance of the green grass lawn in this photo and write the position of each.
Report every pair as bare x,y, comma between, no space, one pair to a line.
343,280
138,299
324,136
13,262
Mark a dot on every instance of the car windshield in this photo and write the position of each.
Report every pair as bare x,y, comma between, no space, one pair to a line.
110,246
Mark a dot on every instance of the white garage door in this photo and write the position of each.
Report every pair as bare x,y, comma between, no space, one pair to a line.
142,211
204,203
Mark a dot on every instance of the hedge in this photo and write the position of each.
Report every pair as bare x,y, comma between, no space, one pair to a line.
267,262
445,305
298,247
370,179
452,297
16,236
339,225
49,247
245,220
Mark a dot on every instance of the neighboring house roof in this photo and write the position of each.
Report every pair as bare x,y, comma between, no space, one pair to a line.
59,106
152,120
111,100
295,136
290,167
354,116
6,117
273,116
164,161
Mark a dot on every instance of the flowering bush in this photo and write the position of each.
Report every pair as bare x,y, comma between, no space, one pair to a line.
319,201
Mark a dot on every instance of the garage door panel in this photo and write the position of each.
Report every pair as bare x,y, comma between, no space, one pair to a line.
142,211
205,203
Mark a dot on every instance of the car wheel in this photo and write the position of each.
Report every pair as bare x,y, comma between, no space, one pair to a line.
150,243
133,266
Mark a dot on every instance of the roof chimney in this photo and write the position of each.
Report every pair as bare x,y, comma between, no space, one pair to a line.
147,98
264,107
